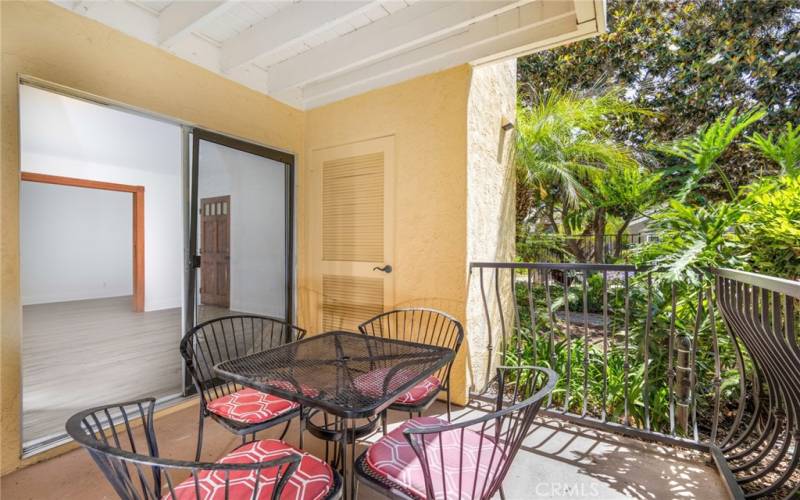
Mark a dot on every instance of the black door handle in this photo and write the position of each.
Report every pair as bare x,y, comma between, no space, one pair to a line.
387,268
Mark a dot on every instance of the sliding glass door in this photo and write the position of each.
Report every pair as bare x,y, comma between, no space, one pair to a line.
101,253
241,236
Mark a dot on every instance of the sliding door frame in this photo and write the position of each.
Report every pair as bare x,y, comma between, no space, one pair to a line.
189,177
287,160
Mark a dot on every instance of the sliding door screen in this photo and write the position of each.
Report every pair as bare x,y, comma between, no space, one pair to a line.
241,224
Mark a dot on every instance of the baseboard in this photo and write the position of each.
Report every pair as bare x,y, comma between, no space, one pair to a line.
28,301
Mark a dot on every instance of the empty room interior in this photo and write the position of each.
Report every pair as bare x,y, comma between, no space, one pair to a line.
101,249
104,216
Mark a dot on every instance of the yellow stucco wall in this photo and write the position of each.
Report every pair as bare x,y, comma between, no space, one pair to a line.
48,42
428,118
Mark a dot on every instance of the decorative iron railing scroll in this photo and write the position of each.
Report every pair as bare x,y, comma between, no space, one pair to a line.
654,361
762,447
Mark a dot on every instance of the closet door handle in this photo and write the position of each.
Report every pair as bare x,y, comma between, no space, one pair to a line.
386,269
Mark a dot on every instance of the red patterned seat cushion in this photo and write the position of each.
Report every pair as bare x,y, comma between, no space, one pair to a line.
313,479
371,384
250,406
465,455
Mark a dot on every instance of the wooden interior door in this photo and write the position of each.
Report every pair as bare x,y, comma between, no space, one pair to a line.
215,256
352,232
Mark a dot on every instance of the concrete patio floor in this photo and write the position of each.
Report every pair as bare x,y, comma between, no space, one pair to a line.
558,460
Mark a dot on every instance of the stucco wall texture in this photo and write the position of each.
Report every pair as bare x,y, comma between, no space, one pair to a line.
427,118
454,195
490,200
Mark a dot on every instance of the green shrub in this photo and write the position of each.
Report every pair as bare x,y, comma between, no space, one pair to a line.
770,226
544,342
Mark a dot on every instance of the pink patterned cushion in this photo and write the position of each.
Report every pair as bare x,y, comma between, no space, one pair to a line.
371,384
250,406
464,453
313,478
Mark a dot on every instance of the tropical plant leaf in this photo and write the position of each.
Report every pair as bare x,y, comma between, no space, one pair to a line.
701,150
785,151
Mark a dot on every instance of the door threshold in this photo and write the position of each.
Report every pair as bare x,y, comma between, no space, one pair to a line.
46,443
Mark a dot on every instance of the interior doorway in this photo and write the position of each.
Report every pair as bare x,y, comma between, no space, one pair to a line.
137,222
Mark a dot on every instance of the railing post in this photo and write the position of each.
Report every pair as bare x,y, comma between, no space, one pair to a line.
683,383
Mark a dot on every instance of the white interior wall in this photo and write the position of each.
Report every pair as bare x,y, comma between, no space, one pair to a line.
72,138
76,243
256,186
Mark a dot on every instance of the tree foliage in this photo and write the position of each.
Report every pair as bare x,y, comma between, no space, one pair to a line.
571,169
691,240
690,61
758,229
626,193
563,141
770,226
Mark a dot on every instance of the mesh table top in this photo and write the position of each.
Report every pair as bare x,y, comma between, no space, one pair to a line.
346,374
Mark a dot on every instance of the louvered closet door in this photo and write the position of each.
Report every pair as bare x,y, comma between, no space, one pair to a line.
352,232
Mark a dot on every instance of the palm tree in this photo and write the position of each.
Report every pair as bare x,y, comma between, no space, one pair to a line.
564,141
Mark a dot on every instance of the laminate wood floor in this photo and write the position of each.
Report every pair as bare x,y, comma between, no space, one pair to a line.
79,354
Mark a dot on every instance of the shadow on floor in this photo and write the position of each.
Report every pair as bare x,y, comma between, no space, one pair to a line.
558,460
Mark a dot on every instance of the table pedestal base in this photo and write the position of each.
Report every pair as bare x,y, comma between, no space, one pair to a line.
340,436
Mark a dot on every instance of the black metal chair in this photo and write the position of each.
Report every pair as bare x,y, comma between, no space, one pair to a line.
121,440
426,326
431,458
241,410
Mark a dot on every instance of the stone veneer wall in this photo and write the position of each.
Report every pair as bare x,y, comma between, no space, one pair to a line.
490,201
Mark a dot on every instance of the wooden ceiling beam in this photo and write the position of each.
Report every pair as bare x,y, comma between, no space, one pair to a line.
181,18
416,25
288,26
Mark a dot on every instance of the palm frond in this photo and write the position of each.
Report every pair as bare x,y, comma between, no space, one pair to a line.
563,141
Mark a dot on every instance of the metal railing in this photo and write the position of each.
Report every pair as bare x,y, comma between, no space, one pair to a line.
560,248
714,367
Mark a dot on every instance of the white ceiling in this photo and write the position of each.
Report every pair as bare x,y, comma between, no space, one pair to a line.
307,53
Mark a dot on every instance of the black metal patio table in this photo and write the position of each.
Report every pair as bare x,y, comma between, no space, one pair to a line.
347,375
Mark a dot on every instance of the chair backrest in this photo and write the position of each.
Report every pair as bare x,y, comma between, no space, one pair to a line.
121,440
492,441
426,326
226,338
